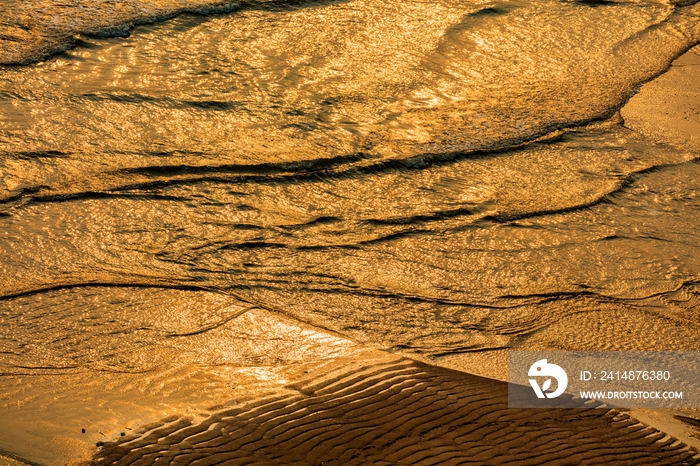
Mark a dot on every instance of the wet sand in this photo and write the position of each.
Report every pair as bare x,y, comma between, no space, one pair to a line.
397,412
351,404
335,402
667,110
382,409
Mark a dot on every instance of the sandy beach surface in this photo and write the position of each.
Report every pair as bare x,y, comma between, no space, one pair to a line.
325,257
354,405
667,109
375,408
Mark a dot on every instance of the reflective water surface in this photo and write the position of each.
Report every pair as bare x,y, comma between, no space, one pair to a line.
444,179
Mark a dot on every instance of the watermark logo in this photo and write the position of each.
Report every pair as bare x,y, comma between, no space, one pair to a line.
587,379
542,368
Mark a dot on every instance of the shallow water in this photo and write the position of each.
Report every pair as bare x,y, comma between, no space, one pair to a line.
439,179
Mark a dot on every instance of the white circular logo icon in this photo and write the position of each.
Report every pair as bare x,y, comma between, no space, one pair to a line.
542,368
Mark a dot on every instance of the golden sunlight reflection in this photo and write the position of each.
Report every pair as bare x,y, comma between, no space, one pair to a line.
223,223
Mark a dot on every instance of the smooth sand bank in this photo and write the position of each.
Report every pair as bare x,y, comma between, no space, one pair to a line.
667,109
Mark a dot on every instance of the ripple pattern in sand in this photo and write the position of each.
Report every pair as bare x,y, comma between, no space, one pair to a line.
402,412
